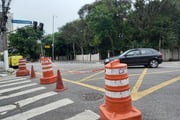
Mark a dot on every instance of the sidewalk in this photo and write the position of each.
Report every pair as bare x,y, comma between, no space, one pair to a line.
3,73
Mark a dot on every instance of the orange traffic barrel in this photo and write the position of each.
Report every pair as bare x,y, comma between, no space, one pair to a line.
22,71
118,104
47,69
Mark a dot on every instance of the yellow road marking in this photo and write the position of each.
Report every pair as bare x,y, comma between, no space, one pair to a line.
139,82
139,95
85,85
86,78
95,79
139,74
135,94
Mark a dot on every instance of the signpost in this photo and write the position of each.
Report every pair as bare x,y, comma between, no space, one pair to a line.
47,46
21,21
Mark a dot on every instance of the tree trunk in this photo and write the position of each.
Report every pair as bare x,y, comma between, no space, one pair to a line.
82,53
112,45
74,50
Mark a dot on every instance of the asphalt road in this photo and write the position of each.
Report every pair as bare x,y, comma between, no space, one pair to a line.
155,92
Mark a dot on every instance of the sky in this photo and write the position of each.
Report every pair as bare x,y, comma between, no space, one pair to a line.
42,11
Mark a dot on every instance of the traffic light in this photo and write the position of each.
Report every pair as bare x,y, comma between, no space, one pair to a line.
41,25
35,24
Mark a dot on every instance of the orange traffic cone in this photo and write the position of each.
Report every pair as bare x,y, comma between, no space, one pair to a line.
117,104
33,75
59,83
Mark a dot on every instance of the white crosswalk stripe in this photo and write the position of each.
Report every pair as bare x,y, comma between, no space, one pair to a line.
27,98
86,115
40,110
16,83
22,93
9,78
13,80
16,88
27,101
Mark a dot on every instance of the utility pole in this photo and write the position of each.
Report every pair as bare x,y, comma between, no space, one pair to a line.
53,39
3,30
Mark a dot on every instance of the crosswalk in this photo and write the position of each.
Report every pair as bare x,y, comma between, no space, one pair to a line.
18,93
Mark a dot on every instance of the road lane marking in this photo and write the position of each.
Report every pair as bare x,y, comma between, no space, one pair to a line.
40,110
16,88
22,93
176,63
26,101
86,115
139,82
101,78
85,85
139,95
163,72
7,78
16,83
130,75
13,80
86,78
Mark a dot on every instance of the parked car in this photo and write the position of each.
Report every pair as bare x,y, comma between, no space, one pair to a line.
139,56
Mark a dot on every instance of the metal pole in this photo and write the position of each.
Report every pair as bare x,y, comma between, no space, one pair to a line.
53,40
4,32
5,48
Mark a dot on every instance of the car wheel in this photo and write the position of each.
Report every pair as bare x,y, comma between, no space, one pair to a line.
153,63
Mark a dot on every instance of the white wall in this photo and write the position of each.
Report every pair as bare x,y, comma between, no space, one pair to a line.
169,55
88,57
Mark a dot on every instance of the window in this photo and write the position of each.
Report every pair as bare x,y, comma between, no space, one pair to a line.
146,51
132,53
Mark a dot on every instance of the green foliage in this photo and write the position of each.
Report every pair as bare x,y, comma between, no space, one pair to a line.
110,25
117,25
24,42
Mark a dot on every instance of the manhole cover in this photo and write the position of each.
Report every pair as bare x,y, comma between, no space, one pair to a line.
92,96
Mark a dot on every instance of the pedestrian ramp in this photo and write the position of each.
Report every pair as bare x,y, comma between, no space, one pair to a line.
14,106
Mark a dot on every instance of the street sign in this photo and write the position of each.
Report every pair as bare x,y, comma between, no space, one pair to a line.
47,46
21,21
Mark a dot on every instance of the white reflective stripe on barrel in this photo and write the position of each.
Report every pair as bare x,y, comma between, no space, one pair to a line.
46,61
116,83
22,65
116,71
45,70
117,94
49,65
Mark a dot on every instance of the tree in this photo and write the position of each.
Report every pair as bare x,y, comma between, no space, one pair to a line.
155,22
68,34
24,42
76,33
118,25
105,19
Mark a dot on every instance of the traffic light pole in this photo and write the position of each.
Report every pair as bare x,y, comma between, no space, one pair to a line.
53,40
3,31
5,48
